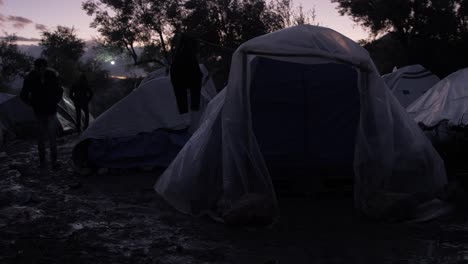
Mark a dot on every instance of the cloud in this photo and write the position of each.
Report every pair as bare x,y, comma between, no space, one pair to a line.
27,39
40,27
24,39
2,20
1,2
18,21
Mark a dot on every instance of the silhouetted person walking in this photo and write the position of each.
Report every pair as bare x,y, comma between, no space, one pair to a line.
81,95
42,91
186,74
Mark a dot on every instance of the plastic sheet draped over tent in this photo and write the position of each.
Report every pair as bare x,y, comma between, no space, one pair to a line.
222,162
410,82
447,100
144,129
18,120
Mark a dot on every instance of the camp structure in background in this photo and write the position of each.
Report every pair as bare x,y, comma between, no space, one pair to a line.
159,73
447,100
17,119
143,130
442,113
305,98
410,82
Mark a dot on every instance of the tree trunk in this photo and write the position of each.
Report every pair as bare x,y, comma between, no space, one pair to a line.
163,44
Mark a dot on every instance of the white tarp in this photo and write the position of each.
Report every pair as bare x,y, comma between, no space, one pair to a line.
410,82
144,119
149,107
222,162
447,100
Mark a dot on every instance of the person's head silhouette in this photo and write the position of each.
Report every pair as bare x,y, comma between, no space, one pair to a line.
40,65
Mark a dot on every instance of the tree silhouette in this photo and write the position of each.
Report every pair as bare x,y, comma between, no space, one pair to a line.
13,62
220,25
431,32
121,28
63,50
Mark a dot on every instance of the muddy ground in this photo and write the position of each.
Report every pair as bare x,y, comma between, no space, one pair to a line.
60,217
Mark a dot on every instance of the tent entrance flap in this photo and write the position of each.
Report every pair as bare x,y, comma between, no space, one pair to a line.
305,116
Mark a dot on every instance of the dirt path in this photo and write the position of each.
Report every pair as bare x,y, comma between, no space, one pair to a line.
59,217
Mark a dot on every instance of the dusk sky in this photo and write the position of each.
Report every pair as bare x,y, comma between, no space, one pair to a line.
26,18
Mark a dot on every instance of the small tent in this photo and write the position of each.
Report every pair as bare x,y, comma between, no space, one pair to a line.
17,118
410,82
144,129
447,100
308,97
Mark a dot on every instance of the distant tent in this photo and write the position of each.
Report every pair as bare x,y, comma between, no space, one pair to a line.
18,121
447,100
159,73
67,115
304,97
410,82
144,129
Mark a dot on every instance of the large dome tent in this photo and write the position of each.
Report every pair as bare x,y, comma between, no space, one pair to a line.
262,119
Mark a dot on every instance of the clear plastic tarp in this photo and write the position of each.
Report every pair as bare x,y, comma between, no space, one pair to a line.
222,162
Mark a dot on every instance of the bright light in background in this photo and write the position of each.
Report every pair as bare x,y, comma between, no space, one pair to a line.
112,62
119,77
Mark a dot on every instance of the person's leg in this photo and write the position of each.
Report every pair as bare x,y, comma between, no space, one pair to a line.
180,92
195,91
52,135
41,138
78,117
2,143
86,112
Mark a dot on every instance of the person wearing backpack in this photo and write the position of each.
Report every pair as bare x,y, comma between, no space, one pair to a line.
42,91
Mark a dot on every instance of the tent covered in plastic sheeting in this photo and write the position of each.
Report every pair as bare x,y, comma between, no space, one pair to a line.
447,100
18,120
261,118
410,82
144,129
